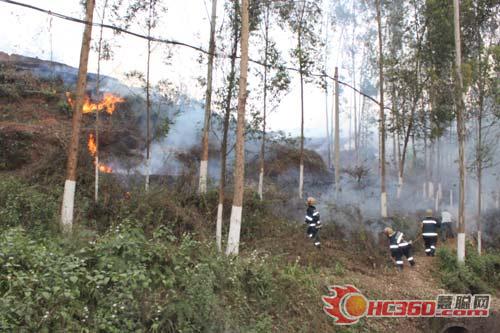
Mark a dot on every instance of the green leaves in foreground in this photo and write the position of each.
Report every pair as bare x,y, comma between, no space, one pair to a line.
123,282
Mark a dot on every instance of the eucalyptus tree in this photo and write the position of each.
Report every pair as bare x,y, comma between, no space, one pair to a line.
460,111
383,193
404,75
70,183
227,95
239,174
146,14
104,52
273,75
303,18
480,34
208,103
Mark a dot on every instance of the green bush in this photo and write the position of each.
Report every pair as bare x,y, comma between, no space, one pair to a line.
24,205
126,281
479,274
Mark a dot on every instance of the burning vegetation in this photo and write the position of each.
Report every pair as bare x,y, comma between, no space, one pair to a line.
108,104
92,146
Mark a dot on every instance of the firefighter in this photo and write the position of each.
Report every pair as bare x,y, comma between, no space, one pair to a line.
399,247
429,232
313,221
446,225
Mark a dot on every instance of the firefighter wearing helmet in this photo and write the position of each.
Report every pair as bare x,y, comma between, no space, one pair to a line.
429,232
399,247
313,221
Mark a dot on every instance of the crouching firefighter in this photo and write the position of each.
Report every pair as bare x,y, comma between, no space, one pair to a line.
429,232
399,247
313,221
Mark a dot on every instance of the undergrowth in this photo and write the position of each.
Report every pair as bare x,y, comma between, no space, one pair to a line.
479,274
124,280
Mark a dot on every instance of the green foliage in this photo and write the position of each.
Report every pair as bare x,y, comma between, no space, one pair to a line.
22,205
479,274
124,281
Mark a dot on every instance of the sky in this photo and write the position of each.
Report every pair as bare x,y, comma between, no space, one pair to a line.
39,35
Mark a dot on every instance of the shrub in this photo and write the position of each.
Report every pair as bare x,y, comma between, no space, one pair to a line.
24,205
15,150
479,274
126,281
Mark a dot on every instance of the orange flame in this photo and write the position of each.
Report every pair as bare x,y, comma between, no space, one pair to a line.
108,103
92,146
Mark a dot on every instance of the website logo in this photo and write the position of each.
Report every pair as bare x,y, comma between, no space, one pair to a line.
347,305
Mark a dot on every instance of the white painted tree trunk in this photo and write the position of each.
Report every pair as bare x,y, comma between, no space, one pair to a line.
460,115
239,170
301,181
431,190
424,190
400,187
383,204
461,247
148,162
68,205
208,103
218,230
336,148
451,198
203,176
233,242
261,183
436,203
479,242
96,188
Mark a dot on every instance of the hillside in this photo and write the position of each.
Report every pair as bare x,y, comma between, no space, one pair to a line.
146,261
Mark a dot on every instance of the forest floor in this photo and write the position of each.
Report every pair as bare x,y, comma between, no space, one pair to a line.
339,265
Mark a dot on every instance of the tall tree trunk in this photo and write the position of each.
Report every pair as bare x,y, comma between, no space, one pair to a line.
460,132
264,107
479,148
337,135
208,104
301,175
99,51
479,167
353,59
383,193
301,69
70,183
356,132
227,115
414,152
329,150
148,102
239,172
332,123
361,131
